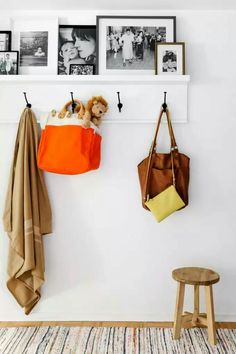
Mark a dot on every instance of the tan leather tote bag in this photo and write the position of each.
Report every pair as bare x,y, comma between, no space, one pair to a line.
155,171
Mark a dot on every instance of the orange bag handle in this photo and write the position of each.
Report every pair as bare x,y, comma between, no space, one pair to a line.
79,109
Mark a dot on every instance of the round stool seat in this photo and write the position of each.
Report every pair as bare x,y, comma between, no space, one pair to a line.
195,276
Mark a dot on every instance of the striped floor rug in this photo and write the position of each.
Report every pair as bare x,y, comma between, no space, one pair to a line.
112,340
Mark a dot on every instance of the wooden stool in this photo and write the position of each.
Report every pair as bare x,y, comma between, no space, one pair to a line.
197,277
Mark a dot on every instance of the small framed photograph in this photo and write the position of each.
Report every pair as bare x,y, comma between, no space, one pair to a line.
170,58
77,45
5,40
36,38
126,44
9,62
82,69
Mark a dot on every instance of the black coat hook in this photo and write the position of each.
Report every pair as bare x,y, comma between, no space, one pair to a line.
164,106
120,105
28,105
73,103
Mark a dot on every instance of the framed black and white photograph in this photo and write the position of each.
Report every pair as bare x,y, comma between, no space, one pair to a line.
170,58
77,45
9,62
82,69
5,40
126,44
34,48
36,38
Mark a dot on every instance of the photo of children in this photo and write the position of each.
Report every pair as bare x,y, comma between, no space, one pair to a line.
132,47
169,61
82,69
77,45
170,58
34,48
8,63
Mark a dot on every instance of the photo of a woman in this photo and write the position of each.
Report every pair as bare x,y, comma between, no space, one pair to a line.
127,49
77,45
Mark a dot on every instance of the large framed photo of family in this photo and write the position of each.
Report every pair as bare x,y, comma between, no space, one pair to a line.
170,58
76,50
36,40
126,44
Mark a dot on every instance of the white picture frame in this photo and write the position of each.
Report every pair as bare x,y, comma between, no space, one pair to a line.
170,58
35,26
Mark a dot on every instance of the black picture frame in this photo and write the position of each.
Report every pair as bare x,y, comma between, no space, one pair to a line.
90,30
15,65
73,66
99,18
9,40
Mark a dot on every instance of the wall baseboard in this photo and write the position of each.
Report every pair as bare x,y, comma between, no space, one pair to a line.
168,324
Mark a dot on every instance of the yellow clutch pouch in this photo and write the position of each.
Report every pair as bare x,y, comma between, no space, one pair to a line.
165,203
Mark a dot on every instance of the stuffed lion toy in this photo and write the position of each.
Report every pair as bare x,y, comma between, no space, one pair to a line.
95,109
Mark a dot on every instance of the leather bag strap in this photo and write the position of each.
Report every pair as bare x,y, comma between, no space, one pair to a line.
173,148
170,128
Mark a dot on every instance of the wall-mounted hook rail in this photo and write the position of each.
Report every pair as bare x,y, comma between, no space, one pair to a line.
28,105
119,105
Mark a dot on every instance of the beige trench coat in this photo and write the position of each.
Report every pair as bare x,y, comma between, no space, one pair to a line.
27,216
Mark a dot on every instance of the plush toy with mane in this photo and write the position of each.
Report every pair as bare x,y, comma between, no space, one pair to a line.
95,109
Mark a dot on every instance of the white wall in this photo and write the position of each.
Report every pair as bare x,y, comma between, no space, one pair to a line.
107,258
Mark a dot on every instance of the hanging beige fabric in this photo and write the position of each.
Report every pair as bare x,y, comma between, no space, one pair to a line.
27,216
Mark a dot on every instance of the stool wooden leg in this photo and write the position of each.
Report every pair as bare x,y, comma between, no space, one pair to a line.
179,310
196,305
210,315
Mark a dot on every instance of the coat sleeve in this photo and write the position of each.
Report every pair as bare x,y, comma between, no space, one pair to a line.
7,213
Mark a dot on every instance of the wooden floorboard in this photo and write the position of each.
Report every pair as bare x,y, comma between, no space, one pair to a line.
228,325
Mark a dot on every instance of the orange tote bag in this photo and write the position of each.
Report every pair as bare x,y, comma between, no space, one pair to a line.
66,147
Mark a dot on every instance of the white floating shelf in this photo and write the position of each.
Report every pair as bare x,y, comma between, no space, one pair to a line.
97,79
